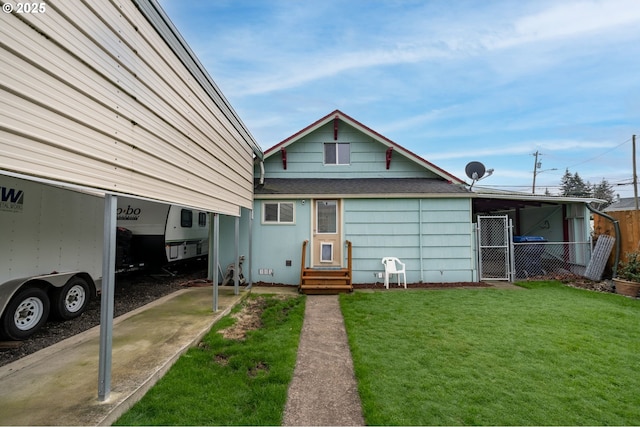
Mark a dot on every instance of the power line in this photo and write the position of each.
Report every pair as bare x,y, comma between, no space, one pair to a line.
617,183
599,155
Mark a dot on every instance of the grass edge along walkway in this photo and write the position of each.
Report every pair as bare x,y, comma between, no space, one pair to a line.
553,355
237,381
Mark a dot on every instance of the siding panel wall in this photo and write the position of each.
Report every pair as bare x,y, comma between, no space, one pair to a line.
368,158
439,251
274,244
92,95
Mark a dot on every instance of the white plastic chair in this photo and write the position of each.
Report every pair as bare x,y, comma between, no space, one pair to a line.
393,265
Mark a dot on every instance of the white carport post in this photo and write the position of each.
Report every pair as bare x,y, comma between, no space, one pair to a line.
247,276
214,259
236,270
107,290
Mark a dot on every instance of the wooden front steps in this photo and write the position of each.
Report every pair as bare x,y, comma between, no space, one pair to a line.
325,281
314,281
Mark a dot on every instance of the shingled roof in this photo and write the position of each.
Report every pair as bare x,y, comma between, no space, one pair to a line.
359,186
624,204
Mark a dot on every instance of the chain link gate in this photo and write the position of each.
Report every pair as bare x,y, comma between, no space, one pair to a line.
495,236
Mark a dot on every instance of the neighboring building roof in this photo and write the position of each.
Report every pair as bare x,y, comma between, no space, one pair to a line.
368,131
389,187
624,204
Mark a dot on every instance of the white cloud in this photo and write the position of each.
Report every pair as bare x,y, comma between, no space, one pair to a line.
573,20
523,148
281,61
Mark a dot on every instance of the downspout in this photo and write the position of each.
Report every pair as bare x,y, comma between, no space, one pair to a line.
616,227
261,172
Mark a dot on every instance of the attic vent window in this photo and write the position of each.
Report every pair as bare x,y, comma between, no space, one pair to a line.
336,153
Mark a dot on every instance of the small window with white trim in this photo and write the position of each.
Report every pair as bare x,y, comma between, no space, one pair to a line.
277,213
337,153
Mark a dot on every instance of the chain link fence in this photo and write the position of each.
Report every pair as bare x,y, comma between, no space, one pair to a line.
503,256
550,259
494,237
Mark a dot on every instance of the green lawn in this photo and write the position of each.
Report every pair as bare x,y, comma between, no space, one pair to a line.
547,355
229,381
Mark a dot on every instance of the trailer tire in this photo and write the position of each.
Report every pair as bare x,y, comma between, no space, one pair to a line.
70,301
25,314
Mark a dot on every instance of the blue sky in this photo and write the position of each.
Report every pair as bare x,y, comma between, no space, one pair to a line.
452,81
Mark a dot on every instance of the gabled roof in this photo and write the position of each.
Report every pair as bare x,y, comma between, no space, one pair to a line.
371,133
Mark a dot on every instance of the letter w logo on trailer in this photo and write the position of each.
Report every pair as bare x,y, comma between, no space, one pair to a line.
11,195
11,200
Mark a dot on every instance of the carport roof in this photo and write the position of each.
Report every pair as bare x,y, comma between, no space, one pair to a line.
496,200
360,186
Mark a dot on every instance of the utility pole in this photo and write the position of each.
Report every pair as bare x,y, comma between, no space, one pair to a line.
537,165
535,170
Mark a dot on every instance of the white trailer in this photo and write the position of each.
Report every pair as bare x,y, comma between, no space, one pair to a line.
159,234
52,243
50,255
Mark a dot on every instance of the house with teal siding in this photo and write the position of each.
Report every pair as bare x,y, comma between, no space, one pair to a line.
355,197
338,181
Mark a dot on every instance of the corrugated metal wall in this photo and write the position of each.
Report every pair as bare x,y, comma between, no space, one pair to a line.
105,94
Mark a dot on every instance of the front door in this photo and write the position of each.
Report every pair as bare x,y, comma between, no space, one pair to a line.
327,250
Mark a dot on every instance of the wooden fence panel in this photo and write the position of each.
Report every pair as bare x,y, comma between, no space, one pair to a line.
629,231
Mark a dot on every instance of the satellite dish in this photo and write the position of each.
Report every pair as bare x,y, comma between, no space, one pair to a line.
474,170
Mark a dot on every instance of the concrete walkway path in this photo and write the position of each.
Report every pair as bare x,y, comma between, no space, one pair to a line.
59,384
323,391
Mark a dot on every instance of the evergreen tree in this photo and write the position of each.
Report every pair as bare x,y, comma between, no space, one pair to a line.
574,186
604,191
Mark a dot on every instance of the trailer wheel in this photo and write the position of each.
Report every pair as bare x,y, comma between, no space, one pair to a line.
25,314
71,300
